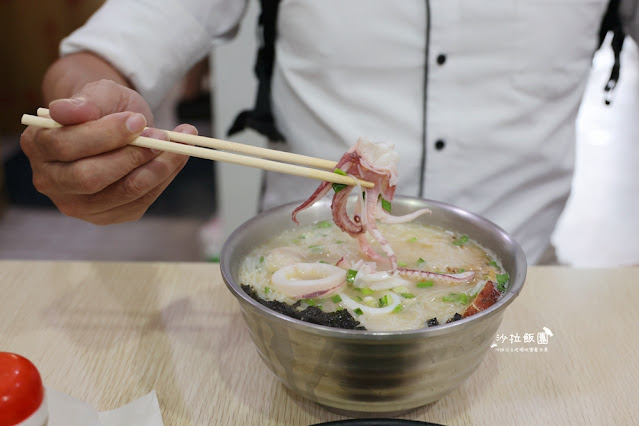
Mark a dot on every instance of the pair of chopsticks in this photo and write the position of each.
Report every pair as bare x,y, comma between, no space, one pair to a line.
213,149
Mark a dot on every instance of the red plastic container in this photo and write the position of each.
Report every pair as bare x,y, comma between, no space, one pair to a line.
22,395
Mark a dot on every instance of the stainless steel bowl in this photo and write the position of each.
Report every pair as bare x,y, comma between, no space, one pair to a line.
379,373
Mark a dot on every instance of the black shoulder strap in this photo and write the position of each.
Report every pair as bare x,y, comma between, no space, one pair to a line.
612,22
260,118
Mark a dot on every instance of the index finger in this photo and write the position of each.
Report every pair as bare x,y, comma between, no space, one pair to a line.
72,143
96,100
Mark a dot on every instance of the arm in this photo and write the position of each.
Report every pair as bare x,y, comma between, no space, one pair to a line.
87,168
70,73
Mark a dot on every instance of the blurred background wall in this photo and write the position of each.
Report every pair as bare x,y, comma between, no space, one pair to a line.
31,31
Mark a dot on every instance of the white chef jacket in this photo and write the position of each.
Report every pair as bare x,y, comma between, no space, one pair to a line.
479,97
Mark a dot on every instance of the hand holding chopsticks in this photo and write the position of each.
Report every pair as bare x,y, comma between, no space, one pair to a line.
213,149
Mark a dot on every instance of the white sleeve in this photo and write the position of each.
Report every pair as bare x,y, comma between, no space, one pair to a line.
154,42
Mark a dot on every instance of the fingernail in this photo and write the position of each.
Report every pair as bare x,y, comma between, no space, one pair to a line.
72,101
77,101
136,123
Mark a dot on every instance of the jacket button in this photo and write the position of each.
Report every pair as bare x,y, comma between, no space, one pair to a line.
441,59
440,144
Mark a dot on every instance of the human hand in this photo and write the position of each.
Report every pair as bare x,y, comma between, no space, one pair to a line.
87,168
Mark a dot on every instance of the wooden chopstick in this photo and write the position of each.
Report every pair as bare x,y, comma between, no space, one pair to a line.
255,151
227,157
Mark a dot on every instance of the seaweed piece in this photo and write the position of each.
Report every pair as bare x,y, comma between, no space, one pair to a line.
432,322
455,317
312,314
337,319
282,308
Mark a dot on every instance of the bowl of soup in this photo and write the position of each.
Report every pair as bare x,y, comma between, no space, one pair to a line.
378,343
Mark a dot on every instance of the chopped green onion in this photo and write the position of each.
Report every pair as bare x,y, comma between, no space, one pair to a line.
386,205
502,280
302,237
401,264
400,290
339,242
321,261
366,291
461,240
267,290
310,302
412,240
350,276
425,284
460,270
383,301
261,259
358,311
408,295
325,224
336,298
493,264
398,308
420,261
457,298
337,187
358,299
339,171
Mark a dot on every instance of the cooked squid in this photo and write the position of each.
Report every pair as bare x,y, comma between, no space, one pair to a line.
374,162
308,280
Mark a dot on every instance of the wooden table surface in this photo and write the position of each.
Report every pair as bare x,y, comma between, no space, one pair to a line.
108,333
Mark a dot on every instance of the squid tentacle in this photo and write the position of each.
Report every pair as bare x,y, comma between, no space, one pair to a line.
374,162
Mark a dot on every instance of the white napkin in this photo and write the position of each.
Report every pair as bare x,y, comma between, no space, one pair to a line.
65,410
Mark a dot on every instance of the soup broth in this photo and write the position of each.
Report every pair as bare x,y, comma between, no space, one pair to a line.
378,299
